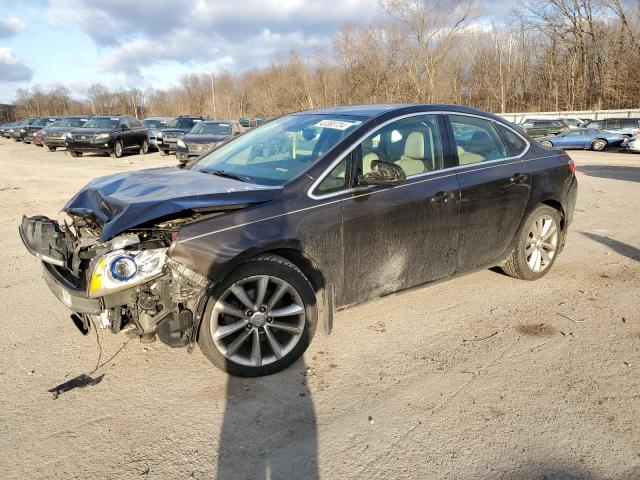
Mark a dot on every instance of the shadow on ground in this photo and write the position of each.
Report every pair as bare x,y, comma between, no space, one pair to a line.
269,428
617,246
614,172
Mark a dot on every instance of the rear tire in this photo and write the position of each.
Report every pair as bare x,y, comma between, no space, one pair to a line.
264,348
537,245
546,143
75,154
164,153
598,145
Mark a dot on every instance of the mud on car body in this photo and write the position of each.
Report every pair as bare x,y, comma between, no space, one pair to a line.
247,249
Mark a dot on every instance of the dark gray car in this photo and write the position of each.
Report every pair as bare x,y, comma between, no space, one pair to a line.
205,136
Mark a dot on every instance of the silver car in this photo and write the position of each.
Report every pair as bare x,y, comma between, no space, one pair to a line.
153,126
632,144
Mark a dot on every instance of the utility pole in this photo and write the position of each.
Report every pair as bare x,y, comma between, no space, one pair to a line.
135,108
213,96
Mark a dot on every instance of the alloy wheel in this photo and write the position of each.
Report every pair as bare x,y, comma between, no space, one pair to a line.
542,243
599,145
546,143
258,320
118,149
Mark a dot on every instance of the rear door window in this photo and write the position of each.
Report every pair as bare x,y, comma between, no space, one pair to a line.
477,140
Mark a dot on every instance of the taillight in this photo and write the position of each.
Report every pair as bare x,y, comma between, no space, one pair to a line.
572,166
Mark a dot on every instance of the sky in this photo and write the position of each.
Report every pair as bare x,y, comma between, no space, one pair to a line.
151,43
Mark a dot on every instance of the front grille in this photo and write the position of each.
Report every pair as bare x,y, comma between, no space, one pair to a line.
84,138
198,147
172,135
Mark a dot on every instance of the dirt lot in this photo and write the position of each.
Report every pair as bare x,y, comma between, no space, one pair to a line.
481,377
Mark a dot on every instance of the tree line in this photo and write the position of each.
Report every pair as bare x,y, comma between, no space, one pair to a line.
551,55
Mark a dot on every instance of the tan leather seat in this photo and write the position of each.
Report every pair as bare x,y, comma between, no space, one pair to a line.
366,162
412,162
467,158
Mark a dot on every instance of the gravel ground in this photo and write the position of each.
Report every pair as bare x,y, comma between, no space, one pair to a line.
480,377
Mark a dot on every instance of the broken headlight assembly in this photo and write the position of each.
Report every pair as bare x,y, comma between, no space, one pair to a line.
123,269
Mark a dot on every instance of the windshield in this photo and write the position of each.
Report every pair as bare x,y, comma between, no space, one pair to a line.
186,123
150,123
102,122
212,128
280,150
40,122
73,122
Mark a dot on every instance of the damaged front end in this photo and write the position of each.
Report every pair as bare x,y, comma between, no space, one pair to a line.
127,282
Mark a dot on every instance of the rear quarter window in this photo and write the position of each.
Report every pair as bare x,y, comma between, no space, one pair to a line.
514,142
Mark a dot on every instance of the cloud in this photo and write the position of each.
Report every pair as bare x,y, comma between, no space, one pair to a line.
242,35
12,69
11,26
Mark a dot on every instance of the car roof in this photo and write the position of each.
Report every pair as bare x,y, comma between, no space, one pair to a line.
375,110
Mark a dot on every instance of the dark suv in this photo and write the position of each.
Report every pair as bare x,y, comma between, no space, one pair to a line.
112,135
628,127
246,250
536,127
54,135
167,138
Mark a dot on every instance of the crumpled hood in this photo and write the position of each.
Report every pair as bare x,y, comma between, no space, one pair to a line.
126,200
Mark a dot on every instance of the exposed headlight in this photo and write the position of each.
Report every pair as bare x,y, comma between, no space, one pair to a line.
102,136
68,136
22,130
181,144
159,134
123,269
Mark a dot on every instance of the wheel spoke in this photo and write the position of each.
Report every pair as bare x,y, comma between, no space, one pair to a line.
241,294
538,260
532,259
544,255
256,354
224,307
263,282
237,343
550,232
273,342
550,247
225,330
294,329
529,250
292,309
277,296
546,224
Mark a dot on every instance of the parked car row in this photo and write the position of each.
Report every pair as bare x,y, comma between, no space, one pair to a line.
188,136
545,127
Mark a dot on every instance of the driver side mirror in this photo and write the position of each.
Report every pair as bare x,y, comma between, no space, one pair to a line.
382,173
124,127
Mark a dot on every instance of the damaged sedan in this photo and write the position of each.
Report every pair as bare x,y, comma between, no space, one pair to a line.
247,249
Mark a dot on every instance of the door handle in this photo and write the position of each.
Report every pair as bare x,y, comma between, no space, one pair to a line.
519,178
442,197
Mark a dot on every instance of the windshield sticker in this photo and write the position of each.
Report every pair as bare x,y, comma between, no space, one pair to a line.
115,118
223,124
196,121
84,119
335,124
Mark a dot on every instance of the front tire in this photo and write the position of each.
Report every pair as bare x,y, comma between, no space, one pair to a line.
118,149
144,149
75,154
260,319
164,153
598,145
546,143
537,245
